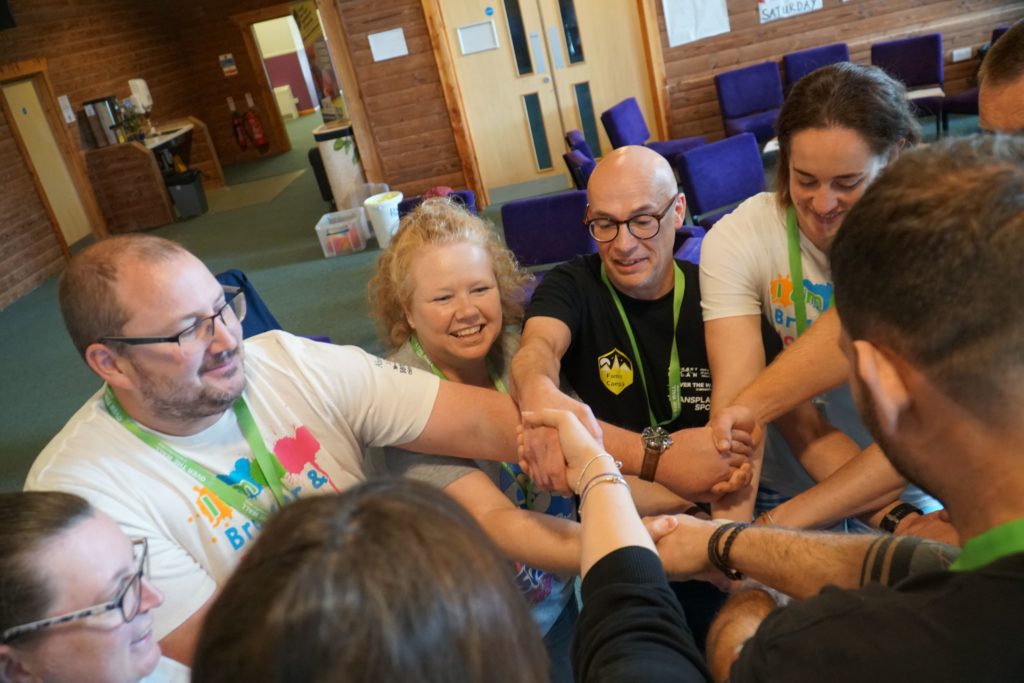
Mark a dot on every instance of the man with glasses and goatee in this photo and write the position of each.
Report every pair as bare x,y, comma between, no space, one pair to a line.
195,439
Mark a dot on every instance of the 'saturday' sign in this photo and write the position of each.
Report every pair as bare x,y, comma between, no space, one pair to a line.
770,10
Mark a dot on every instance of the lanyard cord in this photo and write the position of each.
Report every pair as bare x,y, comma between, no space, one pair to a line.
230,495
796,272
674,381
499,384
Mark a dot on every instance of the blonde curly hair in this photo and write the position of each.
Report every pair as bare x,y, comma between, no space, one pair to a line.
437,222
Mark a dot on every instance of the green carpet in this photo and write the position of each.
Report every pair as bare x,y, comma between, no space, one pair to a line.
233,197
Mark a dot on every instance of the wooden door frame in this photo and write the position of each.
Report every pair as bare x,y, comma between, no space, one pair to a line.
36,69
244,21
655,61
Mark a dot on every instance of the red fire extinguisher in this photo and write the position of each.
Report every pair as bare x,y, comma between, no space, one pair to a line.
239,130
254,129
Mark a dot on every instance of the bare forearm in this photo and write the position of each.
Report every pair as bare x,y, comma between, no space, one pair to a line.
544,542
469,422
865,483
534,363
180,644
786,382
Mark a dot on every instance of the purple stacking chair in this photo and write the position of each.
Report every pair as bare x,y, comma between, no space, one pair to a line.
966,101
575,141
917,62
580,168
750,99
466,197
625,125
547,229
719,175
799,64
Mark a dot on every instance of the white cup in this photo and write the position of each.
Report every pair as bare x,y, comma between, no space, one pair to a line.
382,210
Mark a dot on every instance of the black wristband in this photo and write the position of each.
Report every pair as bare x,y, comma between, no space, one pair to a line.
895,516
720,561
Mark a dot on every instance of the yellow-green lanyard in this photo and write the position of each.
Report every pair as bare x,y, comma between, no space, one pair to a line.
796,272
674,394
499,384
230,495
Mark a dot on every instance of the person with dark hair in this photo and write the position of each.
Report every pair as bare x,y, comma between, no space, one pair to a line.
785,383
196,438
941,386
75,600
1001,83
389,581
768,260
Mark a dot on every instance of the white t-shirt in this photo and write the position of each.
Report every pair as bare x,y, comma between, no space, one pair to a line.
744,268
316,406
169,671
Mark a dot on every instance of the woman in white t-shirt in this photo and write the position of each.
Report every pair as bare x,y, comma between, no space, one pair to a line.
76,601
837,130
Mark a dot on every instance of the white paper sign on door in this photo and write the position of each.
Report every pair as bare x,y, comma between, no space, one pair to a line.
690,20
770,10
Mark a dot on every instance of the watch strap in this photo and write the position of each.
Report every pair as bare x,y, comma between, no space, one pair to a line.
894,516
649,467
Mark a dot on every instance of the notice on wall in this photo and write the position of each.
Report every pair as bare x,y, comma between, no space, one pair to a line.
65,107
227,65
388,44
770,10
690,20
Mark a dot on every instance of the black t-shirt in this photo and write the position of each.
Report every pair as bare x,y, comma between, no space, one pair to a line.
599,363
939,626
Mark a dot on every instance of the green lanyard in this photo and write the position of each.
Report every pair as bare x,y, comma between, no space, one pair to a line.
231,496
528,490
796,272
674,381
994,544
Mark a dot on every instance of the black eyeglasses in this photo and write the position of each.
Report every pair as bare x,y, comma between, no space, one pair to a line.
128,600
642,226
201,330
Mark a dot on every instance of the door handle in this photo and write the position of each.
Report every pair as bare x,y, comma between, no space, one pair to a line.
546,79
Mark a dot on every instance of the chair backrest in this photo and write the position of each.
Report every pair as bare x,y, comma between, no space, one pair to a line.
576,142
799,64
916,61
997,32
721,173
547,229
258,317
749,90
580,168
466,197
624,123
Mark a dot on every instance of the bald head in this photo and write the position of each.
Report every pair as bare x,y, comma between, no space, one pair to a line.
639,168
1001,96
89,298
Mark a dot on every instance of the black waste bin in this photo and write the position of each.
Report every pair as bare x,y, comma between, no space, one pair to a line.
187,192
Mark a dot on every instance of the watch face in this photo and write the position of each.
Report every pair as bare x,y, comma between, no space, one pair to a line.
656,438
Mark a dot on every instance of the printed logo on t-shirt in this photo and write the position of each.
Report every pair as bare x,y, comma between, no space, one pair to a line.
615,370
294,464
817,298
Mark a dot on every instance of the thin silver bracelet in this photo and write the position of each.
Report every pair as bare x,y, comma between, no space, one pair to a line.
597,481
602,454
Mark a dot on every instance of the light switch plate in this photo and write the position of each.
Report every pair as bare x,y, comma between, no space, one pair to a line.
962,54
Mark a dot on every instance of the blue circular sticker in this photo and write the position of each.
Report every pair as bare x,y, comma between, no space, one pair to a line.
489,11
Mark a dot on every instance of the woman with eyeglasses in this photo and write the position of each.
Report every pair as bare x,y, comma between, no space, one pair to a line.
75,602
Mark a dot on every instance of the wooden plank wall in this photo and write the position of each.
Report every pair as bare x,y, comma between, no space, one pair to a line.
690,69
31,250
129,187
404,99
92,48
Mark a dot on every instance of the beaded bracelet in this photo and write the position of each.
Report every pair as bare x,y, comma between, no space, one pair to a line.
601,479
721,560
602,454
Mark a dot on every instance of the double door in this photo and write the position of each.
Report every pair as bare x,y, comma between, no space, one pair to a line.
530,70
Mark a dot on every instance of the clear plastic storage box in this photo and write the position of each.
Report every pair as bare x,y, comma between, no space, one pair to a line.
342,232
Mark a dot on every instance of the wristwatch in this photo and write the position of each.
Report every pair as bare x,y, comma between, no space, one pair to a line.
895,516
655,440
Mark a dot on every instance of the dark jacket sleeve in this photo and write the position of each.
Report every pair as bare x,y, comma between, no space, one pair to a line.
632,627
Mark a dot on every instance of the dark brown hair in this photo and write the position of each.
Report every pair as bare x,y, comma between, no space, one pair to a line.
928,263
30,519
389,581
1004,62
845,95
89,301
